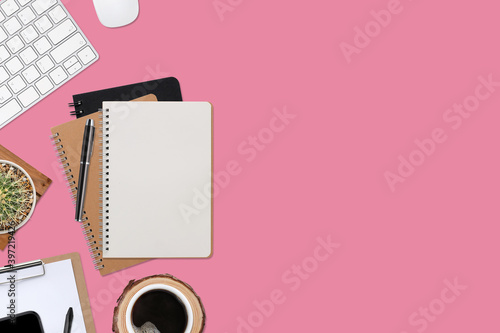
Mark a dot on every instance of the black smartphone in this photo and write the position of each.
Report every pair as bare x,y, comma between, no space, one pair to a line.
24,322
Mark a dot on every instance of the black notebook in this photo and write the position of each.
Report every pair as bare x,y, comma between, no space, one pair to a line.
167,90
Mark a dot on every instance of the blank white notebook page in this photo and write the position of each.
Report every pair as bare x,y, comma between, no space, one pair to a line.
157,179
50,295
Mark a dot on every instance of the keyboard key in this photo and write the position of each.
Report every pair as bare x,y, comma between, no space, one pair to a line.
58,75
26,15
42,45
17,84
9,7
23,2
3,35
4,54
15,44
45,64
12,25
28,96
9,110
28,55
86,55
42,6
57,14
1,17
44,85
5,94
14,65
30,74
67,48
59,33
29,34
70,62
43,24
3,75
73,69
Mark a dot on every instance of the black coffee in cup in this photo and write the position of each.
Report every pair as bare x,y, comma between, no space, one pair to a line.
162,309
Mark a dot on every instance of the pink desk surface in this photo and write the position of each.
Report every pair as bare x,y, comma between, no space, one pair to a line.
370,204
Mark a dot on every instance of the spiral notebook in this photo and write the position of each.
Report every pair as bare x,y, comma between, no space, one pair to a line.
68,144
157,169
165,89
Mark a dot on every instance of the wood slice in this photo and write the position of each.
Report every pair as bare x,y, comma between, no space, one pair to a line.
119,316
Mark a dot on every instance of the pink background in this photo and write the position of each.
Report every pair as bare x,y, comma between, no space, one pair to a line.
323,174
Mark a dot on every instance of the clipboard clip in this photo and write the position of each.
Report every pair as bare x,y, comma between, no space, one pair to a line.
18,267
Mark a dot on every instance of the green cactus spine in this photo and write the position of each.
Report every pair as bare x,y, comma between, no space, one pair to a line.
16,196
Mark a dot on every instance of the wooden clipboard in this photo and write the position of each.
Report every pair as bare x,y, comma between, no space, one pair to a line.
81,286
77,274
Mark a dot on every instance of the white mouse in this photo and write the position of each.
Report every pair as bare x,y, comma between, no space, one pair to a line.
116,13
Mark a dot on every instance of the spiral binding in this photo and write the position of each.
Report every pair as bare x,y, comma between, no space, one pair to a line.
72,105
97,248
105,181
75,112
64,165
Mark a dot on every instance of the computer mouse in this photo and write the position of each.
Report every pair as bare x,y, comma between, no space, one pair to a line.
116,13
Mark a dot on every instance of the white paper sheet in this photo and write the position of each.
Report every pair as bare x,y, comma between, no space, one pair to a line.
50,295
159,163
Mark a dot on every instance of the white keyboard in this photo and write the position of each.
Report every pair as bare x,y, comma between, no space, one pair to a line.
41,48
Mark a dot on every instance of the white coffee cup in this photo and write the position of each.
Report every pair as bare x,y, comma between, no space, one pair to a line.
161,287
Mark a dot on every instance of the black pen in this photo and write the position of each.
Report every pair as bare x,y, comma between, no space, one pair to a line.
69,321
87,145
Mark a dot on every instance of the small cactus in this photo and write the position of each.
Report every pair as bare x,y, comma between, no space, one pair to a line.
16,196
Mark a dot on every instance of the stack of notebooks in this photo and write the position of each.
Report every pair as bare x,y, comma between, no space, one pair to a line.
151,160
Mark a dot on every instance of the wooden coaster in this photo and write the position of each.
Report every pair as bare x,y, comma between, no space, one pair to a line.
41,182
119,317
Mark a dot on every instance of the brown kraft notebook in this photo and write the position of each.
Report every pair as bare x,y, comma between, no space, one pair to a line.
68,142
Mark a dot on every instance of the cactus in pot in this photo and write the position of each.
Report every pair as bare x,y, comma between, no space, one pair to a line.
16,196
